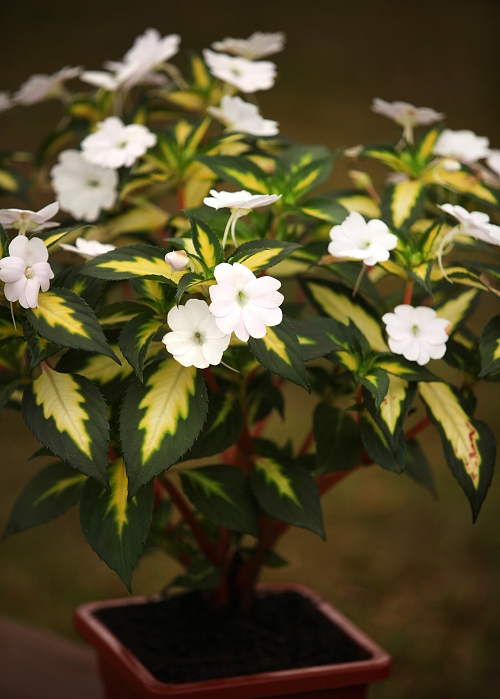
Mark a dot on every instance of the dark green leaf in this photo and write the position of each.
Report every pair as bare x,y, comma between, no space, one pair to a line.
135,339
280,352
222,427
338,444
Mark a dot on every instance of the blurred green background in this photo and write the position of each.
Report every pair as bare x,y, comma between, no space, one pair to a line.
412,571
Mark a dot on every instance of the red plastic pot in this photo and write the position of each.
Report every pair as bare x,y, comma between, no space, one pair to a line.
125,677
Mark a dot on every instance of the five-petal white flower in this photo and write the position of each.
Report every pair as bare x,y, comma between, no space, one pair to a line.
43,87
407,115
247,76
147,54
258,45
356,239
88,248
195,339
242,116
83,188
243,303
417,333
474,223
26,271
240,203
116,145
462,146
25,220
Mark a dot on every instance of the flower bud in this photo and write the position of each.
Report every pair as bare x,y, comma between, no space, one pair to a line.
361,180
177,259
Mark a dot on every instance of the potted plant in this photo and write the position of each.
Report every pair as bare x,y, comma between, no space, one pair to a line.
213,276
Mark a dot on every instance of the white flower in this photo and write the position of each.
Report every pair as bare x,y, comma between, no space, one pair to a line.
147,54
493,161
474,223
240,203
5,102
88,248
417,333
463,146
243,303
356,239
115,145
259,45
25,220
247,76
26,271
242,116
82,188
407,115
42,87
195,339
177,259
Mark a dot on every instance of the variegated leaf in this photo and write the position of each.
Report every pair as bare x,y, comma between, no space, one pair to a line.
160,419
378,445
135,339
150,292
279,351
90,290
68,415
313,340
399,366
376,381
362,203
261,254
336,301
64,318
49,494
489,347
385,155
132,261
394,408
7,330
205,242
287,491
325,209
223,495
426,144
466,183
402,203
39,348
221,429
457,307
54,235
311,175
468,444
418,467
338,444
111,378
239,171
114,526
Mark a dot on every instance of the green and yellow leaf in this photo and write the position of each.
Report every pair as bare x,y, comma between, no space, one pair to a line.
402,203
160,419
223,495
135,339
280,352
335,301
132,261
468,444
68,415
205,242
261,254
287,491
239,171
489,347
362,203
458,307
114,526
49,494
65,319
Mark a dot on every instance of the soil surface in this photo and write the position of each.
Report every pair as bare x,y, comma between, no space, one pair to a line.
185,639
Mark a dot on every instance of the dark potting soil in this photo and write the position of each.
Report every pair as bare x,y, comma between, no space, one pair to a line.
184,639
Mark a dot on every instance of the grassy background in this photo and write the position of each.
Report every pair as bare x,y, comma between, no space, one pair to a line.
413,572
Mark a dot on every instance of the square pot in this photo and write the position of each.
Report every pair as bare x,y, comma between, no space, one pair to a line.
125,677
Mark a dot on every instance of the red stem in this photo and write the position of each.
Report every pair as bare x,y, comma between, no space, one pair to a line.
408,293
211,380
181,202
200,535
417,428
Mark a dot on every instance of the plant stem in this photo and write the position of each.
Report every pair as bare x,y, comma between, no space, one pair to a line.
417,428
209,551
408,292
304,447
211,380
181,202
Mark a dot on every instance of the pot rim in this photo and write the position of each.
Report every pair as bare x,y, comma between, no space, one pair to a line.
376,667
